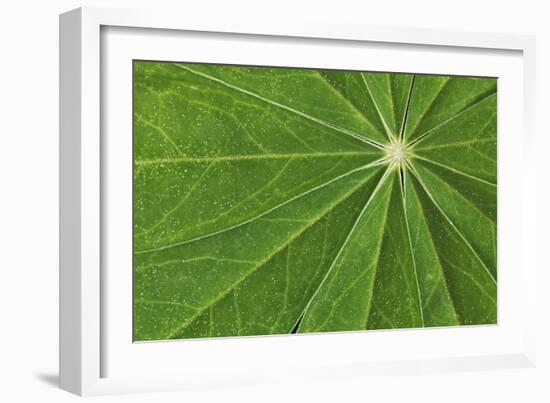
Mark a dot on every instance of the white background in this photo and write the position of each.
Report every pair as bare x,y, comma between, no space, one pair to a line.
28,202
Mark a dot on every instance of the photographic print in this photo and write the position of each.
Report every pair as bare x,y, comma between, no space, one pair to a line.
271,200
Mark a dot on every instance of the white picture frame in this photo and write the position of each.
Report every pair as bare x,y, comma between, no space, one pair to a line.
97,355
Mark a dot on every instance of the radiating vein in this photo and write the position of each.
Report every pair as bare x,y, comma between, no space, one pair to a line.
456,115
386,127
191,260
373,164
288,108
437,263
161,302
452,224
182,160
341,249
376,259
458,144
347,101
486,182
430,105
407,106
412,252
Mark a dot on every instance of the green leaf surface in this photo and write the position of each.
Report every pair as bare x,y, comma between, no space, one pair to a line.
282,200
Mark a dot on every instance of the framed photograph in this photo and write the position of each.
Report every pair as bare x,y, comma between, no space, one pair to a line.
238,197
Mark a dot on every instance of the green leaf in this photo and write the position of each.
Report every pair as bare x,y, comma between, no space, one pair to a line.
279,200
